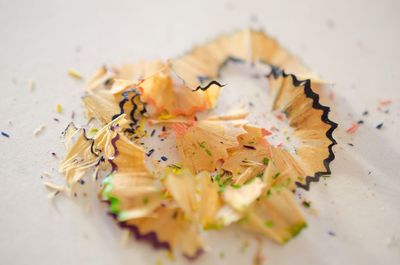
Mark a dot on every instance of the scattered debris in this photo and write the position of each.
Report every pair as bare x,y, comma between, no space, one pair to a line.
385,102
5,134
39,130
353,128
379,126
159,262
59,108
331,95
46,174
253,18
245,246
126,237
56,189
306,204
330,23
279,116
258,258
31,85
392,241
170,255
75,74
150,152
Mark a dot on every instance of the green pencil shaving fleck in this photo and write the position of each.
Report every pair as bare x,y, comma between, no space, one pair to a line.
276,175
203,146
269,223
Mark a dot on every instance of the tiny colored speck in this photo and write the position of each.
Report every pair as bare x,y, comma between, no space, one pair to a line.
208,152
150,152
5,134
164,158
276,175
73,73
249,147
352,129
379,126
269,223
59,108
260,175
93,130
306,204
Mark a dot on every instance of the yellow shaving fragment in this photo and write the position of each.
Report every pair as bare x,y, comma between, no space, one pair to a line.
93,131
31,85
59,108
165,117
171,121
46,174
73,73
39,130
140,130
230,117
159,262
170,255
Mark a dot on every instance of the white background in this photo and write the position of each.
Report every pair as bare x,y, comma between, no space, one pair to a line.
356,44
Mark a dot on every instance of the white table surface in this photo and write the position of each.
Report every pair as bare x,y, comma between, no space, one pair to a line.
355,43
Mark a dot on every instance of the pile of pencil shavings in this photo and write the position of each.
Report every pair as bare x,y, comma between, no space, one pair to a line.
183,157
